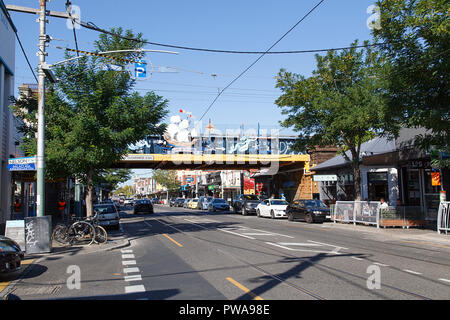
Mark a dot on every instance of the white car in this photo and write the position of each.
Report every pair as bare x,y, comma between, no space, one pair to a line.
273,208
205,203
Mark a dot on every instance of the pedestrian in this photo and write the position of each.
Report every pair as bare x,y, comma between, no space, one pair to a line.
384,204
17,206
61,207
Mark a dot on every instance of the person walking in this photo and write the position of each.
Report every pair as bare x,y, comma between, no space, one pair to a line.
61,207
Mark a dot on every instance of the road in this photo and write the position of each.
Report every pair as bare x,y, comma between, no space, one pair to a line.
182,254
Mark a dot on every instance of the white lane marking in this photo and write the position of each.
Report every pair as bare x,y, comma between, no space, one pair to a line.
299,244
126,251
128,256
291,249
130,270
237,234
410,271
128,262
133,289
445,280
259,234
267,232
136,277
330,245
381,264
356,258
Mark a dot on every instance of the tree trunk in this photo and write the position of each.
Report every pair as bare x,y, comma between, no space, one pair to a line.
357,180
89,194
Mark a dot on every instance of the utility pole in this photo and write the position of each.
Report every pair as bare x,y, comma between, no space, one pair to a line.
40,157
43,71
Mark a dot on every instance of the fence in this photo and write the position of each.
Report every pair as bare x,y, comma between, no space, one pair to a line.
357,212
443,222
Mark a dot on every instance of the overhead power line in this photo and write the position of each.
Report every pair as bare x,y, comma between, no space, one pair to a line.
92,26
260,57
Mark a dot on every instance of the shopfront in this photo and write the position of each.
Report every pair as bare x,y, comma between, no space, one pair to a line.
418,189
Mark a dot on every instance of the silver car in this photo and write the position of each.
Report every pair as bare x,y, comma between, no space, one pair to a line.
108,215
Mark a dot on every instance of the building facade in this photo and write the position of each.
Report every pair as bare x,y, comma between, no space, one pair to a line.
7,146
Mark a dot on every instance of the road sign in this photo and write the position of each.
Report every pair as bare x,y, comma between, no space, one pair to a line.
140,69
22,164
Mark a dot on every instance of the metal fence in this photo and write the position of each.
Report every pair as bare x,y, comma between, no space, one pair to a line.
367,212
443,222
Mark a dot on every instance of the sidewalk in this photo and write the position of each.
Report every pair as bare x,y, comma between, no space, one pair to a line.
116,240
410,235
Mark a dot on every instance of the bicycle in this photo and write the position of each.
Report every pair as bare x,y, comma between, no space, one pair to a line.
82,232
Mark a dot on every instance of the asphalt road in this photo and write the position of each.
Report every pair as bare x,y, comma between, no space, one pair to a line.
190,254
182,254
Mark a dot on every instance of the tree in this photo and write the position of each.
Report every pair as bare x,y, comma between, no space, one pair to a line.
128,191
340,104
167,179
93,115
416,34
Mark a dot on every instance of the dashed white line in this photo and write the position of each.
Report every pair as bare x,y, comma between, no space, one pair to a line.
136,277
445,280
126,251
412,272
128,262
381,264
130,270
128,256
134,289
356,258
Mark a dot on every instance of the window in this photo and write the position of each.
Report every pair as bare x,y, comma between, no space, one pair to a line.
378,186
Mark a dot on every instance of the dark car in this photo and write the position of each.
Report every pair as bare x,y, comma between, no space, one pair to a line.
308,210
218,205
155,200
172,202
144,206
179,202
11,255
246,204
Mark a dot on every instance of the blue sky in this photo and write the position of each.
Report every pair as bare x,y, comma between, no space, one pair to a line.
230,25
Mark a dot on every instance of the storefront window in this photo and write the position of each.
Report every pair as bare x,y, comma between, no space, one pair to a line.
378,186
431,196
412,193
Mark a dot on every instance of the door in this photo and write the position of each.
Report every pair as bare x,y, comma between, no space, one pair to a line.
265,208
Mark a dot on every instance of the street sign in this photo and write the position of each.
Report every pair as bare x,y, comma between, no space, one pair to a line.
140,69
189,179
22,164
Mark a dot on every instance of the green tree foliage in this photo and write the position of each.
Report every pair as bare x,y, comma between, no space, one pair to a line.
341,104
417,37
128,191
111,178
93,115
167,178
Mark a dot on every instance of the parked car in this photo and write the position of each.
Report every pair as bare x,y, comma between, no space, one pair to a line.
144,206
172,202
186,202
273,208
179,202
246,204
308,210
108,215
205,203
155,200
193,204
218,204
11,255
128,202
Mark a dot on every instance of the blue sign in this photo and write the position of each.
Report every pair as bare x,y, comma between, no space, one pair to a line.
140,69
22,164
189,179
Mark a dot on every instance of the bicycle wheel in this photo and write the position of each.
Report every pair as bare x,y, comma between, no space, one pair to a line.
60,234
81,233
101,236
